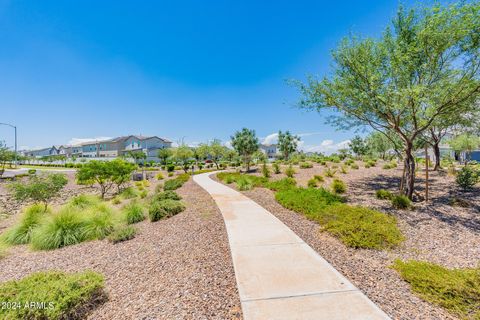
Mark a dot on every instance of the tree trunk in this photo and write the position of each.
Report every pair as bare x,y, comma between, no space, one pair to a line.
436,152
409,178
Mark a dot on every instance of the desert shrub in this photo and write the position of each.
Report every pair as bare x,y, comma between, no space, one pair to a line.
467,178
354,166
265,171
401,202
156,211
387,166
228,177
98,223
68,296
138,183
32,171
116,200
129,193
343,170
244,183
290,172
338,186
172,207
39,188
276,168
457,290
122,233
319,178
459,202
306,165
334,159
170,174
281,184
330,173
143,194
383,194
84,201
21,233
146,183
176,183
166,195
159,187
133,212
159,176
360,227
170,168
307,201
312,183
59,230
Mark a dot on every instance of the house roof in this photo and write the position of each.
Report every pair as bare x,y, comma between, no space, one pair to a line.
123,138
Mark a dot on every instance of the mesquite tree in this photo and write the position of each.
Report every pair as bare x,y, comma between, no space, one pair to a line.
245,142
287,143
425,67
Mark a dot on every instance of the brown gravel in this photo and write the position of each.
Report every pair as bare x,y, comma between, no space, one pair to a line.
437,232
179,268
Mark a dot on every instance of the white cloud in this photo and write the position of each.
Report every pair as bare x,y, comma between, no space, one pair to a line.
326,146
75,141
270,139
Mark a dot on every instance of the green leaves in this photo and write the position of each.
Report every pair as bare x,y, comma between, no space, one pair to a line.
245,142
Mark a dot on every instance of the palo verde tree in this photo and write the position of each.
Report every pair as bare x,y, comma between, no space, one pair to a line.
245,142
358,146
287,143
214,151
39,188
164,154
426,66
183,154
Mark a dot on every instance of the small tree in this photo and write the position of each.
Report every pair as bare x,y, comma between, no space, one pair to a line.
6,156
121,172
245,142
358,146
287,143
164,154
214,150
465,143
183,154
39,188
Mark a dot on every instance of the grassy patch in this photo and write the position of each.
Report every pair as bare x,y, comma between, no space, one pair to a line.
71,295
84,201
123,233
21,233
282,184
360,227
401,202
457,290
177,182
164,209
129,193
133,212
383,194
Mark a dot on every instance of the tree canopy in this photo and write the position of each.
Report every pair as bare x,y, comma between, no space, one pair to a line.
287,143
424,67
245,142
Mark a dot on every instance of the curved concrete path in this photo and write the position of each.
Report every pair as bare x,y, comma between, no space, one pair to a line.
278,275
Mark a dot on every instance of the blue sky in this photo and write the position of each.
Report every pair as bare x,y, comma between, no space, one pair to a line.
192,70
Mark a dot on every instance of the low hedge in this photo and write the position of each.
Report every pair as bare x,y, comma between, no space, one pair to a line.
52,295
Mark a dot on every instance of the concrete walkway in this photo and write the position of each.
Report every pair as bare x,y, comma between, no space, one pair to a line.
278,275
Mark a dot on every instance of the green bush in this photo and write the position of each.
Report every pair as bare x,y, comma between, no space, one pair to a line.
276,168
170,168
338,186
383,194
354,166
21,233
172,207
159,176
156,211
360,227
143,194
401,202
61,229
457,290
129,193
166,195
170,174
265,171
98,223
343,170
32,171
122,233
116,200
133,212
312,183
330,173
67,296
318,178
244,183
176,183
387,166
307,201
467,178
282,184
306,165
290,172
84,201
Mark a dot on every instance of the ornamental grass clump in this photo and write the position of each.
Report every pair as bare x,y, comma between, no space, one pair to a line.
133,212
401,202
122,233
282,184
383,194
290,172
338,186
21,233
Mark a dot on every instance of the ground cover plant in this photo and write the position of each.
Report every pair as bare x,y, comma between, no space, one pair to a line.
68,296
457,290
177,182
122,233
282,184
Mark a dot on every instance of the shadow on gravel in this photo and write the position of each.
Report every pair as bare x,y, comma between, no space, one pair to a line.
441,193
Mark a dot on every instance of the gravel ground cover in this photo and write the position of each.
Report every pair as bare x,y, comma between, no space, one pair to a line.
179,268
437,232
